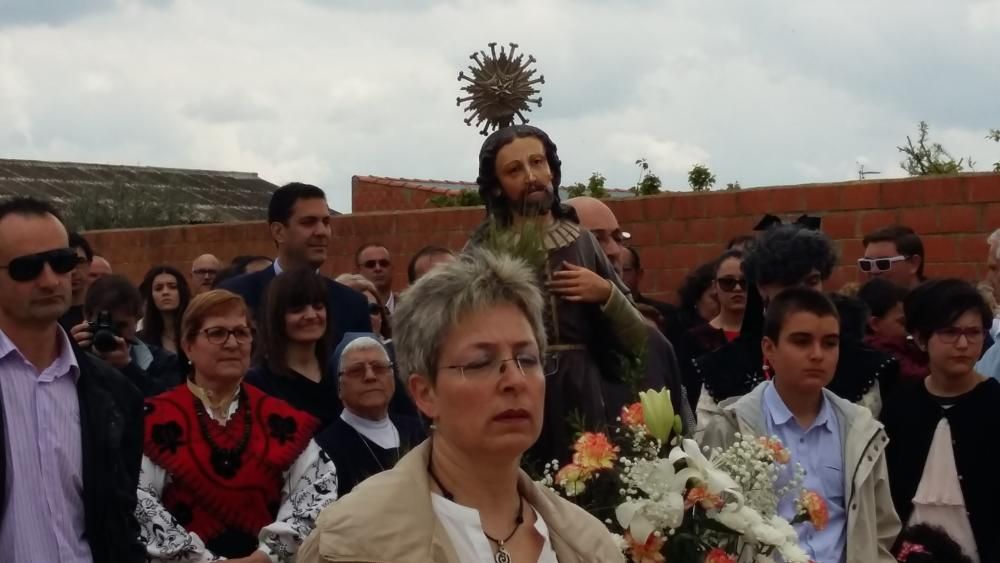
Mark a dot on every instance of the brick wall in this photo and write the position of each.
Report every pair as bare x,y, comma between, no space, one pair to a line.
673,232
370,195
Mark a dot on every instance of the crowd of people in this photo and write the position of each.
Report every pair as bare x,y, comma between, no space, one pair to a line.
261,411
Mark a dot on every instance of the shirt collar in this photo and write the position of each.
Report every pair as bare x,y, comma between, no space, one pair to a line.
780,415
278,269
64,363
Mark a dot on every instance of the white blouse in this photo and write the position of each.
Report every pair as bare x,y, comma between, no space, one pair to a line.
465,530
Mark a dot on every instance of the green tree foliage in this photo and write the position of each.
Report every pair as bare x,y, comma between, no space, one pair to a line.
120,206
995,137
701,178
465,198
595,187
733,186
926,158
649,183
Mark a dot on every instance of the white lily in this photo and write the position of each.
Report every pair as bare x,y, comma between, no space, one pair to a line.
717,481
792,553
657,412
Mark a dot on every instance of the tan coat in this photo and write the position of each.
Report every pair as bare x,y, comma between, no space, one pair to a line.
389,519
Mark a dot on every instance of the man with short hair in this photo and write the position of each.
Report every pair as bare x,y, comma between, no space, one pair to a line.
373,262
895,253
840,445
598,218
79,280
151,369
424,261
632,274
204,269
69,466
99,267
299,220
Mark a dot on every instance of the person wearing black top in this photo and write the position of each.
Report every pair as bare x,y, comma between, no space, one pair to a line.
942,454
366,439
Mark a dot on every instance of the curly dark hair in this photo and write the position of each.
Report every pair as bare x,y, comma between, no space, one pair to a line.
787,254
937,304
498,207
935,546
697,282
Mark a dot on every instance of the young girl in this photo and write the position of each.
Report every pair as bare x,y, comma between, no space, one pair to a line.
166,294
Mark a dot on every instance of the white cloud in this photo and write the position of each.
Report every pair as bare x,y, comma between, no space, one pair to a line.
766,93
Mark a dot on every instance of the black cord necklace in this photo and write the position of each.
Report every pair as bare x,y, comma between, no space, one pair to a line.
502,555
225,461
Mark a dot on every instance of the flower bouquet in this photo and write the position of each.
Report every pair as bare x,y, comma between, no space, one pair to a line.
667,502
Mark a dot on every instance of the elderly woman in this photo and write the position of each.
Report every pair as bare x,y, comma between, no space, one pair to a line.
471,336
366,439
227,471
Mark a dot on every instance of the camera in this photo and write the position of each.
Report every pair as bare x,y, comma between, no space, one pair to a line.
104,333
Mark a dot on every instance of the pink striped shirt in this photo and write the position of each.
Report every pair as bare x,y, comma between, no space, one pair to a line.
43,520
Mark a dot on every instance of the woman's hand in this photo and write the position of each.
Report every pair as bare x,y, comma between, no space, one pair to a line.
580,285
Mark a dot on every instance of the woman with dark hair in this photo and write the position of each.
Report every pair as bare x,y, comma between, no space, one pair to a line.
943,429
698,302
376,309
592,323
886,327
292,350
166,294
730,294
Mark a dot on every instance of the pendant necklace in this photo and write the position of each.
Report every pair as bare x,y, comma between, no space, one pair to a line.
375,457
502,555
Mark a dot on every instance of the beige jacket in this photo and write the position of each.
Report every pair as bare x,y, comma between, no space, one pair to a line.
872,523
389,519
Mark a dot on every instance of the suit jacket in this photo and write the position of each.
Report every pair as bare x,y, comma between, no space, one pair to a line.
111,431
347,310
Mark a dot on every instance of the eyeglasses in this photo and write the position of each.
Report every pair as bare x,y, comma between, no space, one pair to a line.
951,334
879,264
375,309
204,272
359,371
527,364
220,335
730,284
370,264
27,268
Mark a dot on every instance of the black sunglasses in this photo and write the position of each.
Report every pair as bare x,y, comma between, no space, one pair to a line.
730,284
27,268
381,263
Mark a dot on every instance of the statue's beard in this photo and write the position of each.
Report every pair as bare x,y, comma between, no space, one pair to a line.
534,202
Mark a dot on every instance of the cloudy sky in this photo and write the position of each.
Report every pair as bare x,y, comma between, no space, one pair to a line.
762,91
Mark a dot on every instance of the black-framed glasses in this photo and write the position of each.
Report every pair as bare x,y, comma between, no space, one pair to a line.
731,284
527,364
375,309
205,272
879,264
359,371
951,334
27,268
370,264
220,335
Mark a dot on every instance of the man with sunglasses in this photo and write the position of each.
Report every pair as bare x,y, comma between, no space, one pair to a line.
373,262
894,253
69,465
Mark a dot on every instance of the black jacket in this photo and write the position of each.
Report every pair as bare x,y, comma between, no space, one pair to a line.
111,431
357,458
911,415
162,374
347,310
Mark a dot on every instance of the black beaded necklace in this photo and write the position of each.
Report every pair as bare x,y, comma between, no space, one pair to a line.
502,555
225,461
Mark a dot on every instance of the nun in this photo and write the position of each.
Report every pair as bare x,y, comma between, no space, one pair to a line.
366,439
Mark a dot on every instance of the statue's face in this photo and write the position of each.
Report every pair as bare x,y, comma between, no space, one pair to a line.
525,177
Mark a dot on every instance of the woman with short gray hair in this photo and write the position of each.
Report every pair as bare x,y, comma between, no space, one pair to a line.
471,338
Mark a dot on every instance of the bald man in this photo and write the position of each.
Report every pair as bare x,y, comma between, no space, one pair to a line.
597,217
99,267
203,272
662,369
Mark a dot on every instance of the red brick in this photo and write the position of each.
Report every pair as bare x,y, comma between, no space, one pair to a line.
923,220
982,188
787,200
722,205
966,271
753,202
899,194
940,248
652,257
942,190
703,230
658,207
682,256
862,195
689,206
823,198
972,248
627,211
644,234
841,225
737,226
991,218
672,230
850,250
959,219
872,220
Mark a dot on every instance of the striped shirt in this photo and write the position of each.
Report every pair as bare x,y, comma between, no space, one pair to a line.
43,520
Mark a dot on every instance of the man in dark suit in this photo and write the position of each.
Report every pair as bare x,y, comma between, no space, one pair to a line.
70,425
300,226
